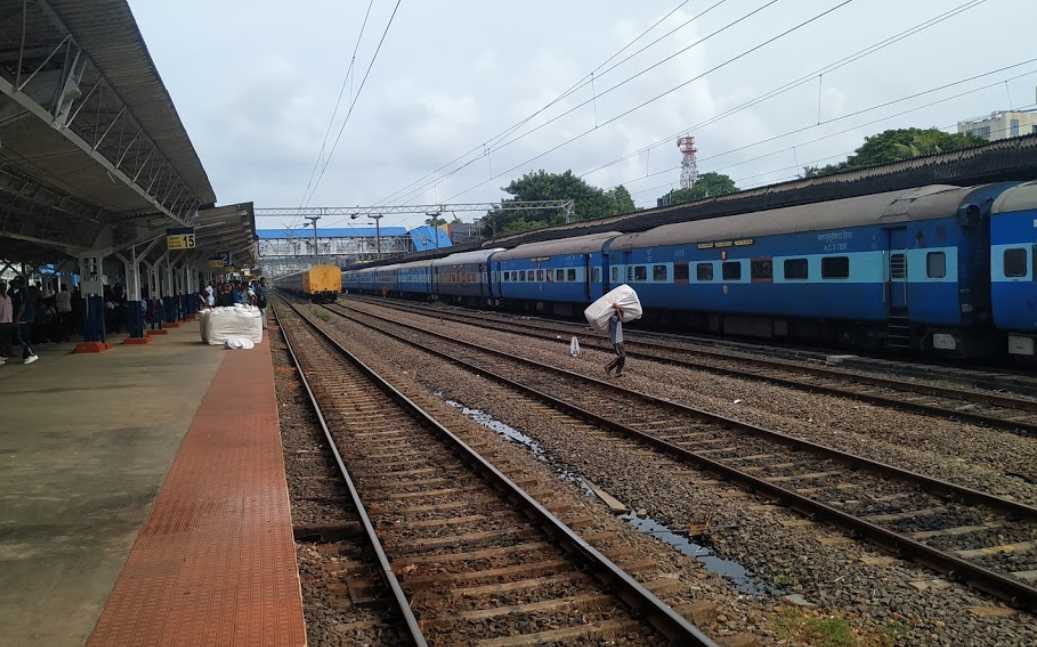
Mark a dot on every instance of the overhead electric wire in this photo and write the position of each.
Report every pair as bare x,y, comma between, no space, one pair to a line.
661,95
807,78
582,82
624,82
338,102
718,169
352,105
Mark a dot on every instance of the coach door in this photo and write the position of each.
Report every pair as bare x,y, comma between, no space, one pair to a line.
896,281
587,287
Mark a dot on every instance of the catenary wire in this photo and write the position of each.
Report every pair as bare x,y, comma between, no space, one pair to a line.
582,82
338,102
352,105
661,95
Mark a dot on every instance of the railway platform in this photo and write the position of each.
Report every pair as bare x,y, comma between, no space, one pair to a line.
144,499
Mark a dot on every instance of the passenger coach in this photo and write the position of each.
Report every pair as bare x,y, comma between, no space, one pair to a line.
901,269
1013,268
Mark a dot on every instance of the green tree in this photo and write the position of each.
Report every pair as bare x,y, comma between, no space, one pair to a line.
896,145
590,202
620,200
708,185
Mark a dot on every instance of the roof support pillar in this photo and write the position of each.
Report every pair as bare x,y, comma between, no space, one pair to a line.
91,286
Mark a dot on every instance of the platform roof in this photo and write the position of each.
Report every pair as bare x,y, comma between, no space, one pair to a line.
94,153
229,229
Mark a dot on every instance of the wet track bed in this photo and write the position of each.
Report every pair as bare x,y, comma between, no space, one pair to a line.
980,403
479,561
891,507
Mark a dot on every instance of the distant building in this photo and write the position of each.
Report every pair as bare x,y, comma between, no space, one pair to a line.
283,251
1001,125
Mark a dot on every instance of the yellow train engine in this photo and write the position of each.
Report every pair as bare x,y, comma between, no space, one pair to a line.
320,283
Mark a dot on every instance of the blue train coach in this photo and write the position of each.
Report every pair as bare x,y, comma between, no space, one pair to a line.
1013,268
554,276
905,269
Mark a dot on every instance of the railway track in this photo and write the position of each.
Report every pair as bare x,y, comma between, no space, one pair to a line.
998,410
468,555
982,540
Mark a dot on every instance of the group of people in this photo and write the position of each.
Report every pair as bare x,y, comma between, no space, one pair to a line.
231,293
22,308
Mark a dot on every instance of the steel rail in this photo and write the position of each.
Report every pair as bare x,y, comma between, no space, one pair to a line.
385,568
784,365
984,579
636,596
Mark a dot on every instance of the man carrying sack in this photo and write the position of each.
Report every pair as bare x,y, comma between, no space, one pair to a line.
609,313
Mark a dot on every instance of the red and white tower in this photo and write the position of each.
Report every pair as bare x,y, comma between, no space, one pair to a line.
690,164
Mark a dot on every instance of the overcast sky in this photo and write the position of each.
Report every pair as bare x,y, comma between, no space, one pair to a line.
255,83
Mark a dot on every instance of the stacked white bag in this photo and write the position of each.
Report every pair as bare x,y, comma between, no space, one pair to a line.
599,312
220,324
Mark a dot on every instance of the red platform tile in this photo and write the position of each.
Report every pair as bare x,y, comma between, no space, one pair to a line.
215,562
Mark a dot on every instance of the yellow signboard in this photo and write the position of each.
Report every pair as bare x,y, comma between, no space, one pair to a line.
180,238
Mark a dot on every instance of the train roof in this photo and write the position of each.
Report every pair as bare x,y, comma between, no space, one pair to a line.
1022,197
559,247
923,203
478,256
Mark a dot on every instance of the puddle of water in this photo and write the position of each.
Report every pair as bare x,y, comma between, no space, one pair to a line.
743,581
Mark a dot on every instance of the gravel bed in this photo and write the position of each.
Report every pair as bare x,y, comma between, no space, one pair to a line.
877,595
728,613
319,498
995,461
939,375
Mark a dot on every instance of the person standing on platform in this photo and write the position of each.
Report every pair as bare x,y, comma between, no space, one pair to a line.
237,295
261,299
6,323
616,337
24,304
210,296
63,304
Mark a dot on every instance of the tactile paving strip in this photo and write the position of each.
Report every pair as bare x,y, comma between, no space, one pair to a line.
215,562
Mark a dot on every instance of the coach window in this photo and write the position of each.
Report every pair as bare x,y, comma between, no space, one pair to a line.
732,271
936,265
659,273
796,269
761,269
596,275
630,273
1015,263
570,274
640,272
540,276
560,275
704,271
680,273
835,267
614,272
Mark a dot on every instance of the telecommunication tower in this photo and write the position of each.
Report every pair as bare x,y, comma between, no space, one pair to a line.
689,165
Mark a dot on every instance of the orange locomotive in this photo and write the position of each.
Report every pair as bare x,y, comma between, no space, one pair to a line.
320,283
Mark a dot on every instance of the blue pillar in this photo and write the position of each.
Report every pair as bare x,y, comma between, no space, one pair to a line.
134,319
93,319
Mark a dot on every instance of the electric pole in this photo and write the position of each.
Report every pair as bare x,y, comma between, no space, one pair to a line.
316,252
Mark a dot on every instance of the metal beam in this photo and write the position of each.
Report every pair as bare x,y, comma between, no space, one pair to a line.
461,207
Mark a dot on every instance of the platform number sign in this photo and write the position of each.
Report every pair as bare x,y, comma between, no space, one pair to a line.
180,238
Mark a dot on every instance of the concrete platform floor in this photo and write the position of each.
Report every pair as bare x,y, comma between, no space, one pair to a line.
85,442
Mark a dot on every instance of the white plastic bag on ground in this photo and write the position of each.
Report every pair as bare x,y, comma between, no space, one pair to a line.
238,321
599,312
574,347
238,343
